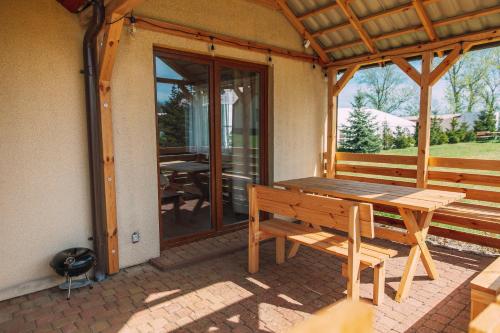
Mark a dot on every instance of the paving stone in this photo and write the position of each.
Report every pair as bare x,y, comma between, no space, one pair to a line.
219,295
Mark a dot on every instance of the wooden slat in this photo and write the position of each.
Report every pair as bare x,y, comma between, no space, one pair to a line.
377,158
465,178
400,237
375,170
351,16
297,24
489,279
470,193
376,180
399,196
328,212
323,241
464,163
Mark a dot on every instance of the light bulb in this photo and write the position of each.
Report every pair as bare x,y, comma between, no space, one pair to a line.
132,29
307,43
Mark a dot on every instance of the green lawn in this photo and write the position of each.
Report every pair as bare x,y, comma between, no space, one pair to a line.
479,150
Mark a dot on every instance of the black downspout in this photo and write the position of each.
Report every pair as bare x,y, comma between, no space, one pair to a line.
94,136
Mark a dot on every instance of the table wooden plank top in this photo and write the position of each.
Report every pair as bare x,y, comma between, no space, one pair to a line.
390,195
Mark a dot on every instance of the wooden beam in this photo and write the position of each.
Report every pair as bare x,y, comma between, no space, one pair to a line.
351,16
121,7
331,29
426,22
348,74
445,65
331,130
111,39
424,123
219,39
318,11
297,24
266,3
472,39
407,68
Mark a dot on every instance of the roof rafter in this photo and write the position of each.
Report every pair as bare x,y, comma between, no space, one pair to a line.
353,19
297,24
440,23
426,21
468,40
318,11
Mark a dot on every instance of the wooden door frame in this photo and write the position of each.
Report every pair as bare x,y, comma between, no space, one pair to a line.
216,208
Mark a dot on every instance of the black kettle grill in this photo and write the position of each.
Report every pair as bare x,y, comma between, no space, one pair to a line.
71,263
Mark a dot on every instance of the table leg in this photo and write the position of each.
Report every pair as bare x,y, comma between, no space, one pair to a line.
417,233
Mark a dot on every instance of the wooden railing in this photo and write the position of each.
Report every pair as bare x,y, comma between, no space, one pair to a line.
478,179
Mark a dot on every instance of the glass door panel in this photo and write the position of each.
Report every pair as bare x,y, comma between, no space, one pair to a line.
240,108
183,118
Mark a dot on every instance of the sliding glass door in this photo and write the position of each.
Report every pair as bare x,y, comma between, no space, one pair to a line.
211,133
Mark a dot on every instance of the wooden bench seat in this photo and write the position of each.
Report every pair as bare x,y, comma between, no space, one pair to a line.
370,255
485,288
315,212
476,216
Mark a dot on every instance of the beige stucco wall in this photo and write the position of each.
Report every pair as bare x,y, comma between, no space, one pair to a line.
44,197
44,186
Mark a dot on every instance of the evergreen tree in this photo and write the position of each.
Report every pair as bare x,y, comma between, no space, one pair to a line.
402,138
387,137
454,135
485,120
438,136
172,117
360,133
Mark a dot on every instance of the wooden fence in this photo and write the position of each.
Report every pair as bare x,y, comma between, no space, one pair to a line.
478,179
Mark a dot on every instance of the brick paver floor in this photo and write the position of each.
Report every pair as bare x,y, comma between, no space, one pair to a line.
218,295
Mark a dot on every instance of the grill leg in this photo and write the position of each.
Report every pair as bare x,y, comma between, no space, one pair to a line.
69,288
91,285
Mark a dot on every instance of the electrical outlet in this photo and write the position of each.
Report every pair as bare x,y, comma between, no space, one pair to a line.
136,237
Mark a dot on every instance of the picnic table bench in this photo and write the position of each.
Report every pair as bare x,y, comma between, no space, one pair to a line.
416,207
315,211
485,288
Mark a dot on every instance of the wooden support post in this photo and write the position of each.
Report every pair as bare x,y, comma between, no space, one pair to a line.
424,123
253,231
111,40
353,260
331,135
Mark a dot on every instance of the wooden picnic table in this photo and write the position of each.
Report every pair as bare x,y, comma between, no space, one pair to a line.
416,207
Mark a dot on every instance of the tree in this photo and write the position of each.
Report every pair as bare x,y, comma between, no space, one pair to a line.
360,133
466,80
438,136
403,138
454,134
387,137
386,90
485,121
172,119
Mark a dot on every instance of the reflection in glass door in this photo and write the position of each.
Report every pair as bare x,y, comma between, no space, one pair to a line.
211,131
240,105
183,118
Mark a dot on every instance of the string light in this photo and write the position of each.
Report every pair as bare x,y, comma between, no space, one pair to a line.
307,43
132,29
211,47
270,58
